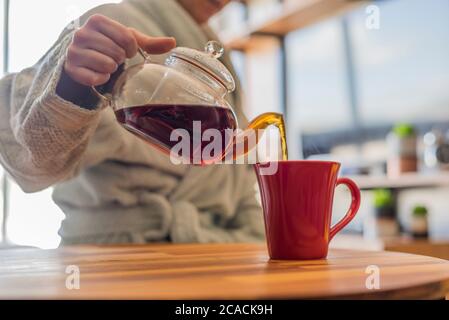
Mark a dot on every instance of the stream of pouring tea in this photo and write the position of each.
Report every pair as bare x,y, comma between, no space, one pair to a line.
273,119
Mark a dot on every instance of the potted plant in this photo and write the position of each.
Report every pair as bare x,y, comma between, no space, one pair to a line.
419,225
402,150
386,224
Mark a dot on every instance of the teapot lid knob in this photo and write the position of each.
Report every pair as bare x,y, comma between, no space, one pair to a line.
215,49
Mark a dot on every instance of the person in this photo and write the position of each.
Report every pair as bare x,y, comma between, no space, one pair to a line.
113,187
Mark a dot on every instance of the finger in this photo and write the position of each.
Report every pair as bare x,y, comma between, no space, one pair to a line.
86,76
153,45
91,59
99,42
117,32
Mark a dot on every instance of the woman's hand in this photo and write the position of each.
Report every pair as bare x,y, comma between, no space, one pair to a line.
102,45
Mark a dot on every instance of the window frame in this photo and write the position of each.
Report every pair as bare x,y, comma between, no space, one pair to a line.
4,179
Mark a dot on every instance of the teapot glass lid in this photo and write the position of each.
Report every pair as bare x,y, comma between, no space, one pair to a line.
208,61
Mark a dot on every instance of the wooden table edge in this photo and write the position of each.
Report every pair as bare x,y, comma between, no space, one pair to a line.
438,289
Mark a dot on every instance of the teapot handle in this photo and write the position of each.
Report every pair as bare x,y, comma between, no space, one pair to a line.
102,97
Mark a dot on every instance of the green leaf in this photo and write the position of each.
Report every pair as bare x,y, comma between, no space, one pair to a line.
420,211
404,130
383,198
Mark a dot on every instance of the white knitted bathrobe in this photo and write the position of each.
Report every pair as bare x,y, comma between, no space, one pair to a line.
113,187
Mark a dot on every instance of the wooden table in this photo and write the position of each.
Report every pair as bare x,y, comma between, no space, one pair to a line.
215,271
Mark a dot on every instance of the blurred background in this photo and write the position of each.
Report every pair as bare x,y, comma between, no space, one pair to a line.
361,82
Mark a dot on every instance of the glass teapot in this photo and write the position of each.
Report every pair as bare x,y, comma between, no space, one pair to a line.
179,106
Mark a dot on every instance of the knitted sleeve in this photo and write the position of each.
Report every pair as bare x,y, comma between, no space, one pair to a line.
42,136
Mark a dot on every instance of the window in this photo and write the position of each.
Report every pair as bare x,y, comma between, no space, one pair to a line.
403,68
317,92
262,89
36,25
2,69
2,36
318,98
400,73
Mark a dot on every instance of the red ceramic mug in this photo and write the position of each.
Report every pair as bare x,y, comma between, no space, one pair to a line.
297,203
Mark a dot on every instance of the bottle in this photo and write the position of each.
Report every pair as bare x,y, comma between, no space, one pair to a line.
436,150
431,141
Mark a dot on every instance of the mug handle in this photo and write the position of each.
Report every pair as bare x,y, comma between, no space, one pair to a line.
355,205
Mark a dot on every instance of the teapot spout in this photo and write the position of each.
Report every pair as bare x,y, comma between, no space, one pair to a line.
245,141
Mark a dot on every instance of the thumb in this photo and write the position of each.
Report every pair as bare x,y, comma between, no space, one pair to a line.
154,45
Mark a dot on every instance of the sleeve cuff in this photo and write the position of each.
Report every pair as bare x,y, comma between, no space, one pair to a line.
66,112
